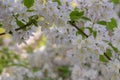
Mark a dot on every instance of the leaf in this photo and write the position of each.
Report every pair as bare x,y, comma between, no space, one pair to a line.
7,57
64,71
108,53
76,15
102,22
94,34
119,14
0,25
102,58
114,48
80,33
58,1
112,24
19,23
90,29
28,3
33,19
30,10
109,25
115,1
76,9
85,18
35,22
1,68
35,69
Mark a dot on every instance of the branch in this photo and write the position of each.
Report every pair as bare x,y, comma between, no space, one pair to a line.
17,29
2,33
28,24
107,56
72,23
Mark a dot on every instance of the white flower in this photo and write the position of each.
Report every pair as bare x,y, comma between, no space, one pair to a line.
114,66
15,73
115,39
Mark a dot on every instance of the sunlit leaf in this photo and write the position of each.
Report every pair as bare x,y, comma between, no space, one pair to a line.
28,3
114,48
115,1
58,1
102,22
85,18
108,53
76,15
19,23
102,58
112,24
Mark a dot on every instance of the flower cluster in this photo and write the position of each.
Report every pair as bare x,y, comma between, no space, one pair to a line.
81,39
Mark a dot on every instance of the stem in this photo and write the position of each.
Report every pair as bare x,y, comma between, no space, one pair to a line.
28,24
2,33
107,56
73,24
78,29
17,29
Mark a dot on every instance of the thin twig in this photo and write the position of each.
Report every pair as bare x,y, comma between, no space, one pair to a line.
28,24
2,33
73,24
78,29
17,29
107,56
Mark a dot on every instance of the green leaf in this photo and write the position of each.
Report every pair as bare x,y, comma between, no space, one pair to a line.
79,33
35,69
119,14
33,19
112,24
58,1
114,48
28,3
90,29
35,23
19,23
85,18
76,9
109,25
7,57
64,71
102,22
94,34
0,25
102,58
76,15
1,68
30,10
115,1
108,53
